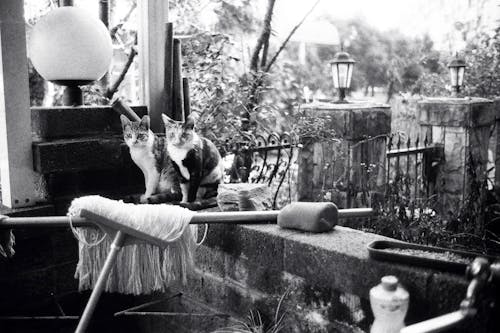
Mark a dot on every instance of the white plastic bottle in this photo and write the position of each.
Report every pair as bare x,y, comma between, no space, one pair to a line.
389,303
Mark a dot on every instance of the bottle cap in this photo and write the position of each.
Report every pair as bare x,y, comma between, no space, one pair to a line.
389,282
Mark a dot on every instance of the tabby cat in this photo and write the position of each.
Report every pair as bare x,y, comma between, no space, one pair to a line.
195,158
149,153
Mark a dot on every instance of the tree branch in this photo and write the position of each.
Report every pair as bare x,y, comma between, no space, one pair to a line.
114,87
265,51
283,45
113,31
264,36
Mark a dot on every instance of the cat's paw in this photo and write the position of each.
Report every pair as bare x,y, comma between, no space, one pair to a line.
185,204
144,199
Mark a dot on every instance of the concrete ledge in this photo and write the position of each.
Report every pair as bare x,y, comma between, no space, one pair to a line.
70,122
329,276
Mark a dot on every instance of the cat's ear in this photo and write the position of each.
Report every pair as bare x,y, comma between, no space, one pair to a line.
189,123
145,122
125,121
167,120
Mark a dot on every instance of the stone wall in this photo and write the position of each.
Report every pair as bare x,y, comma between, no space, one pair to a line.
327,277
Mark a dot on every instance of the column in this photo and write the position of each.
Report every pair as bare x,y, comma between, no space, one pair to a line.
21,186
153,14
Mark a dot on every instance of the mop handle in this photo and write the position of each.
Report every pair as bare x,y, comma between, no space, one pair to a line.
247,217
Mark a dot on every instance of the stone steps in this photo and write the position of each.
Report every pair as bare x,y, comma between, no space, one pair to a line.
80,151
78,154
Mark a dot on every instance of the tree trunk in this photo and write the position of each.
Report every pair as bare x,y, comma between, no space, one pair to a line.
390,91
263,38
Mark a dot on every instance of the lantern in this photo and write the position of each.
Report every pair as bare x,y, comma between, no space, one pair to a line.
70,47
457,70
342,66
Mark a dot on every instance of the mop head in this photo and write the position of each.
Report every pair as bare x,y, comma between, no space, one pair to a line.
141,267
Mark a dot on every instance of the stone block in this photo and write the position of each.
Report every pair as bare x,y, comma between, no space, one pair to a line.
70,122
258,196
353,121
456,112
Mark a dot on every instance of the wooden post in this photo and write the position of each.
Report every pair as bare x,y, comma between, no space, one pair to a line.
19,181
169,54
177,78
104,17
152,19
187,101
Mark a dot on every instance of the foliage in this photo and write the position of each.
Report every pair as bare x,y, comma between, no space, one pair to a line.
483,66
36,86
482,74
431,84
255,324
473,226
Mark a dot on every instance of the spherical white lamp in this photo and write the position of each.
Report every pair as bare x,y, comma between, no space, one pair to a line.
70,47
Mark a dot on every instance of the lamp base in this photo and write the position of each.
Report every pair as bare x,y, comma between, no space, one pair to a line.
72,96
341,99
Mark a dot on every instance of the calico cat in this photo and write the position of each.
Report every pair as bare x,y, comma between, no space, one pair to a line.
149,153
195,158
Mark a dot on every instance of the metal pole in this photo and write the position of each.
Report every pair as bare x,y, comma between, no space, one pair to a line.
249,217
101,282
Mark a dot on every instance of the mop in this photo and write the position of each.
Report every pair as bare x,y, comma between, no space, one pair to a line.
140,267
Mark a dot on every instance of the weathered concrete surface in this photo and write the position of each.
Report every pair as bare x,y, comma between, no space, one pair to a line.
327,277
70,122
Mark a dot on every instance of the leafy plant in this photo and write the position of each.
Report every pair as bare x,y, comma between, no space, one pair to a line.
255,324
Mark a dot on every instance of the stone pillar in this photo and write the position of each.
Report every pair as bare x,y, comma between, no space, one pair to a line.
21,186
350,165
464,126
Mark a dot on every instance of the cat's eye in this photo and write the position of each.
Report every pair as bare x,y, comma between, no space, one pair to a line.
141,136
128,136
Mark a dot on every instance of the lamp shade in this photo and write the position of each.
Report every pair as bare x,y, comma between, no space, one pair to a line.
69,45
342,66
457,70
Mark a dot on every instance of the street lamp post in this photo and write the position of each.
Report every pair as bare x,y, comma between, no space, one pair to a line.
457,70
342,66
